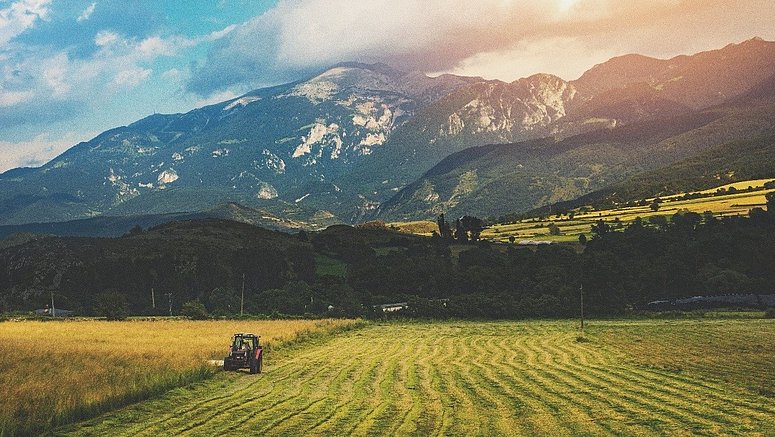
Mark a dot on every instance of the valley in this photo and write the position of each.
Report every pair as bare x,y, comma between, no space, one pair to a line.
489,218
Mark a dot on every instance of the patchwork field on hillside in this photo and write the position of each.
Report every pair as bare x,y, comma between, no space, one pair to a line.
537,229
646,377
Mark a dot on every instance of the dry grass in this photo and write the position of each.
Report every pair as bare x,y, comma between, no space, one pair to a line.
420,227
56,372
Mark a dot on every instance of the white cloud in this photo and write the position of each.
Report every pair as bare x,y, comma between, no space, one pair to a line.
38,150
300,36
11,98
217,97
528,57
34,78
105,38
172,74
131,77
20,16
87,12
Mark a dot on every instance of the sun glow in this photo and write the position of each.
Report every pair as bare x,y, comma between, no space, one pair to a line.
566,5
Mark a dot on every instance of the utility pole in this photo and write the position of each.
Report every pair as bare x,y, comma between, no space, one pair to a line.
53,311
169,297
242,298
153,299
581,294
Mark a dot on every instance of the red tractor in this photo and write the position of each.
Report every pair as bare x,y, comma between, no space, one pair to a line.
245,353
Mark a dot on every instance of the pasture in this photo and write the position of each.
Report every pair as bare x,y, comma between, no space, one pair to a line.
537,229
54,372
632,377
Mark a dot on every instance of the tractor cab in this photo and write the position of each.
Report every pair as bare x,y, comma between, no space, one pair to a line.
245,353
243,342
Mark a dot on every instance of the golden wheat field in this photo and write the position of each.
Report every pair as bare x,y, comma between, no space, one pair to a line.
59,371
641,377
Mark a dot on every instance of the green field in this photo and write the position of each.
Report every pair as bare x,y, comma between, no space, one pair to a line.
739,203
537,229
633,377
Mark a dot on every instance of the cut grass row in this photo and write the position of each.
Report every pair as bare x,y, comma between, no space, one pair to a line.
61,371
500,378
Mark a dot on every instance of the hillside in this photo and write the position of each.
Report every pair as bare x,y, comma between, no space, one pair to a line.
184,258
512,178
114,226
727,163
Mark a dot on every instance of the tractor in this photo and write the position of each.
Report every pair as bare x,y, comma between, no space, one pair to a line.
245,353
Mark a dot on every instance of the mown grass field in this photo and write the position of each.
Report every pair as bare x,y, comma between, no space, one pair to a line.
639,377
55,372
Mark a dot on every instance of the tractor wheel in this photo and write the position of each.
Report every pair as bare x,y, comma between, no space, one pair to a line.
260,363
226,365
253,367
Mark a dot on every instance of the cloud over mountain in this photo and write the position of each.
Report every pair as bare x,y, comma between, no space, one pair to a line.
557,36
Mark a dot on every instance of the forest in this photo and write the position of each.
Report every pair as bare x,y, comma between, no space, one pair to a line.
348,271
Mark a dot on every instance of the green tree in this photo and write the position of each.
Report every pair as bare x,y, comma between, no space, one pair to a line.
600,229
460,233
658,220
473,226
770,202
194,310
112,305
224,301
445,232
554,229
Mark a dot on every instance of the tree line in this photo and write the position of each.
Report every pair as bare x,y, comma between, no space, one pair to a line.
350,271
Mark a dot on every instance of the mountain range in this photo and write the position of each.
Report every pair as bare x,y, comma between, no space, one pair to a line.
363,141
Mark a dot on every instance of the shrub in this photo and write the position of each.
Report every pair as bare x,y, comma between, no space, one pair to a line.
194,310
770,313
112,305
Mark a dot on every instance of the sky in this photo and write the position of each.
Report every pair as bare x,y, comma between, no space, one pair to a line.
70,69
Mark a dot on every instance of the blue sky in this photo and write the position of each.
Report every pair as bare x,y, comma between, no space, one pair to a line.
70,69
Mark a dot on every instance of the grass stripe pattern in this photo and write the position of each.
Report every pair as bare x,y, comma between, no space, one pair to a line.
495,378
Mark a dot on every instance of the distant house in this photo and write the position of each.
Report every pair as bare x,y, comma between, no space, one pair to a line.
56,313
393,307
708,302
534,242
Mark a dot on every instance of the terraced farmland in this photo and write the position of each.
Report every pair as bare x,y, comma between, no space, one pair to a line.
505,378
733,204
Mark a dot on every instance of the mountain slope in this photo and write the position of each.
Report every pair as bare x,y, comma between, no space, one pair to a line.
500,179
114,226
338,145
731,162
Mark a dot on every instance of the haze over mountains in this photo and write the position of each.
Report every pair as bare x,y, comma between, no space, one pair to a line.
360,141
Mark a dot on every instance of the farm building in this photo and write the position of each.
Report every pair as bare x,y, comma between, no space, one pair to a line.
393,307
55,313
